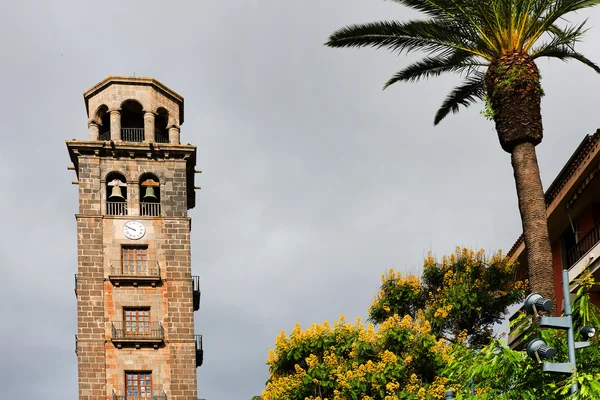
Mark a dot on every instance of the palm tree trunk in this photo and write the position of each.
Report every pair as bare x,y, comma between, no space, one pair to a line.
512,84
534,219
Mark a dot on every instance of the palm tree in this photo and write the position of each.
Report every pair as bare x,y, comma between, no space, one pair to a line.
494,45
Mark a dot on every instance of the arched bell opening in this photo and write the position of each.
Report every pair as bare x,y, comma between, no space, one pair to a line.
103,117
116,194
161,132
149,195
132,121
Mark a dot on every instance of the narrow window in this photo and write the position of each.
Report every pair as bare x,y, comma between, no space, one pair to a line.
134,260
137,321
139,385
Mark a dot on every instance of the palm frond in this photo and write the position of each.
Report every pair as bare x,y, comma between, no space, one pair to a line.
457,61
442,9
468,93
428,36
565,54
547,16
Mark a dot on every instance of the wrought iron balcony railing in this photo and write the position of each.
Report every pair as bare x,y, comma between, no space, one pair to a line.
132,134
136,395
134,272
76,344
150,209
199,351
116,208
161,137
137,332
196,292
584,245
75,285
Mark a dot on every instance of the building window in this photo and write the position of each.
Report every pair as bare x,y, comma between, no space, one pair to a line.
137,321
134,260
138,385
116,194
150,196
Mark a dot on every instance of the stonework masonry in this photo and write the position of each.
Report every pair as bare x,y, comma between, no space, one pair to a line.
107,357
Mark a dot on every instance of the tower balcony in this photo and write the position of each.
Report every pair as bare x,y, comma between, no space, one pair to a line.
196,292
136,135
148,209
116,208
158,394
199,351
137,333
134,272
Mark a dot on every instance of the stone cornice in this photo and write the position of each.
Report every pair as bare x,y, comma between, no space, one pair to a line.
133,150
136,81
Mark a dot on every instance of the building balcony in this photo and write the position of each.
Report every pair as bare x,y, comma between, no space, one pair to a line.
199,351
76,344
131,395
134,272
516,332
75,285
149,209
584,245
116,208
137,333
196,292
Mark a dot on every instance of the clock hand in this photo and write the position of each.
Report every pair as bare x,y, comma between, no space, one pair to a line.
128,227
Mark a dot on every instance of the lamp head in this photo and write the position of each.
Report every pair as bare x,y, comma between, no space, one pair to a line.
538,348
587,332
535,301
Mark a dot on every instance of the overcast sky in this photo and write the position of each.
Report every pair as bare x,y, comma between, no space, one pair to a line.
315,180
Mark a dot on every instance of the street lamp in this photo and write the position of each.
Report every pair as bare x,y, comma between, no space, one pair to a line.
538,348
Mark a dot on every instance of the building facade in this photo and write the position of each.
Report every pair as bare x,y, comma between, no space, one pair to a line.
136,295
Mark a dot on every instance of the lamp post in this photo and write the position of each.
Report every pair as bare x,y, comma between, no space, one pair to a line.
538,348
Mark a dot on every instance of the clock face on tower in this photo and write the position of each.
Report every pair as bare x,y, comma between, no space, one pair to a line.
134,230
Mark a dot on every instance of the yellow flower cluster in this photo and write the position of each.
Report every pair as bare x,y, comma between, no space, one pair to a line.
342,365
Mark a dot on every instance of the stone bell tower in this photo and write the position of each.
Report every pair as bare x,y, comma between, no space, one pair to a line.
136,296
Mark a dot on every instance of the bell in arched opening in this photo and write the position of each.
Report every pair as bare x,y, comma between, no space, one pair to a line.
150,194
116,194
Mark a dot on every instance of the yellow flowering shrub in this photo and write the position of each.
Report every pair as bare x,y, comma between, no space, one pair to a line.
419,323
464,292
350,361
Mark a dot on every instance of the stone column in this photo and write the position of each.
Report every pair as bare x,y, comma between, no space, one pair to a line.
174,134
149,127
115,125
93,130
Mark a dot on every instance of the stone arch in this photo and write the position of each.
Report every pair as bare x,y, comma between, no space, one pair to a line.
132,121
161,123
116,193
102,119
150,195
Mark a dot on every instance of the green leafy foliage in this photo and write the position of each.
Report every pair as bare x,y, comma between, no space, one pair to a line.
497,372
